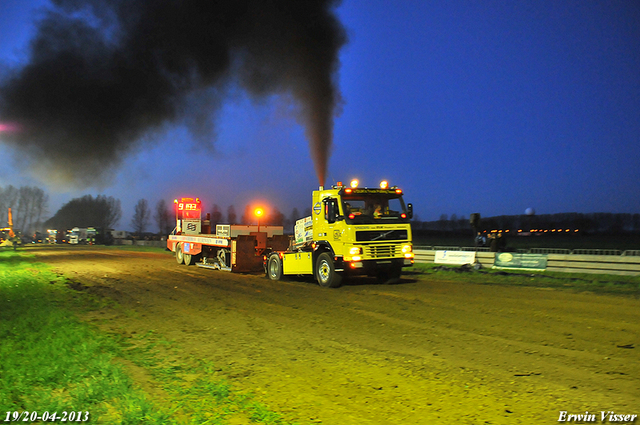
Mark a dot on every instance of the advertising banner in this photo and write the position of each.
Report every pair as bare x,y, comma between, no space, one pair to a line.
455,257
512,260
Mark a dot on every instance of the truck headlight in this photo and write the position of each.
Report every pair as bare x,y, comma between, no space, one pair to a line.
407,250
355,252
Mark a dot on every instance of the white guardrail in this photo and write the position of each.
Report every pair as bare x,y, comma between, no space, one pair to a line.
625,263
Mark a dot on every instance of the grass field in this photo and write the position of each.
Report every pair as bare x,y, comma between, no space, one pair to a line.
53,362
579,282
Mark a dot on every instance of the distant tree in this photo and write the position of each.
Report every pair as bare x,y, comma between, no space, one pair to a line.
247,216
443,222
216,216
102,211
163,218
289,223
276,218
453,221
232,217
295,215
141,216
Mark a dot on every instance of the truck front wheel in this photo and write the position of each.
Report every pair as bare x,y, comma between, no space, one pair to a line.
326,274
274,267
179,253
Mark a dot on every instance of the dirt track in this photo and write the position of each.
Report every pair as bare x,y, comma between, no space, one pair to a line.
418,352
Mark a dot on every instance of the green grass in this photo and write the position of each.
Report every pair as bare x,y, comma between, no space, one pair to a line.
197,390
54,362
580,282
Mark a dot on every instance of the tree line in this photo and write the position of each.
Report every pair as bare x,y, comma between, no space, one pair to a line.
584,222
164,217
29,206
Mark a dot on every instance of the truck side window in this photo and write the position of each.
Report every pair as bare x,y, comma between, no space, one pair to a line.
330,210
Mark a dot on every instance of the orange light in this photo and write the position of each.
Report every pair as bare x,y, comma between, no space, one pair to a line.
384,184
258,212
398,191
354,183
339,184
348,191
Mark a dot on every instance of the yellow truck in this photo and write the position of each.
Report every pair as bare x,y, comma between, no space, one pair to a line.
351,230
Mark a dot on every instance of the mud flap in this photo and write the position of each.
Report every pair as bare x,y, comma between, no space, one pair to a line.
243,255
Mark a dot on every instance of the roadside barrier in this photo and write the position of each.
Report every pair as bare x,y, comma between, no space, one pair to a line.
558,260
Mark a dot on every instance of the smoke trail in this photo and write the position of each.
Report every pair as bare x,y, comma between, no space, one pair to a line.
103,74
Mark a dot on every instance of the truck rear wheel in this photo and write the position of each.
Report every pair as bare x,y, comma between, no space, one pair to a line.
190,259
326,274
179,254
274,267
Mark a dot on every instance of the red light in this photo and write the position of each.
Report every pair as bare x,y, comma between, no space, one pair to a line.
347,191
403,215
398,191
187,207
352,216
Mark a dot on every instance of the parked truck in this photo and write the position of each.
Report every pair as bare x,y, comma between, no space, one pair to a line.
351,230
82,235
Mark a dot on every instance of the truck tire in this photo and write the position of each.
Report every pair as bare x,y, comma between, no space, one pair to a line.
190,259
326,274
179,253
274,268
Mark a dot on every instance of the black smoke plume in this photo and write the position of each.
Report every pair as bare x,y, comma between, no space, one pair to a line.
104,74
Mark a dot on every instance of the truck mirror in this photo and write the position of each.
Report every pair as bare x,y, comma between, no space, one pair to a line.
410,211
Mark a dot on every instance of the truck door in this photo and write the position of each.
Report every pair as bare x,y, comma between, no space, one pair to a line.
332,218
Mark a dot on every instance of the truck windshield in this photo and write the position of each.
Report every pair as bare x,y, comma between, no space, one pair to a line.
361,207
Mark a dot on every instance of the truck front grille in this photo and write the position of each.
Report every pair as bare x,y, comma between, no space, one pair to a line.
380,251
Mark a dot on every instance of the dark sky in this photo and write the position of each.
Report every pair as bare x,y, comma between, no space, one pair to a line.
490,107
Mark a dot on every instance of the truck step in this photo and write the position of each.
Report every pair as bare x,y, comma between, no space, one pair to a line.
214,266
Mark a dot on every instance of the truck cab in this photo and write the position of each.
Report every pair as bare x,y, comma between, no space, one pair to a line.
351,230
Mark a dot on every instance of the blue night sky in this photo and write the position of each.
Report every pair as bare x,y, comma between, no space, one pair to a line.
468,106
